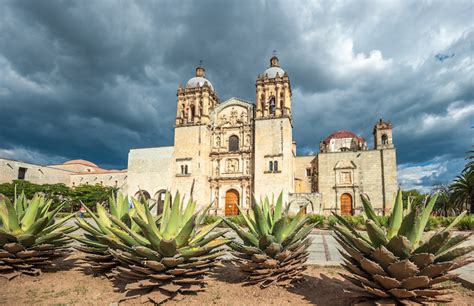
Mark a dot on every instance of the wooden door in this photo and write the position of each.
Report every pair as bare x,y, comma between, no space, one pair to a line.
346,204
231,202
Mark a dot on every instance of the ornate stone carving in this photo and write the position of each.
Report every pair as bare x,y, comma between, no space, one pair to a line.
232,165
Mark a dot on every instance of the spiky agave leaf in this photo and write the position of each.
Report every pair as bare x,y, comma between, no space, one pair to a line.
167,258
274,248
394,264
30,237
98,259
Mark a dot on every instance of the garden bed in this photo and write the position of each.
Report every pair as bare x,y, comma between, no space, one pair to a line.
67,286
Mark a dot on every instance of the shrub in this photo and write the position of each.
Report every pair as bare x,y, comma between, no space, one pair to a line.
317,218
466,223
433,223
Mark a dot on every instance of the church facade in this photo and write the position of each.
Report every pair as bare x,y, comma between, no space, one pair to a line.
227,151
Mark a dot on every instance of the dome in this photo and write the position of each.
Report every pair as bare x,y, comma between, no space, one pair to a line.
81,162
272,72
342,134
198,81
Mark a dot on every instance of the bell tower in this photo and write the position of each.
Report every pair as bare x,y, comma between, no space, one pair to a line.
274,150
195,100
273,92
383,135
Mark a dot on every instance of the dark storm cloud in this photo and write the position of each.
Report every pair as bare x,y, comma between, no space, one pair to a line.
92,79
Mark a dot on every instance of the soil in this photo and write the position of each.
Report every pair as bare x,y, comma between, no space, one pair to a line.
65,285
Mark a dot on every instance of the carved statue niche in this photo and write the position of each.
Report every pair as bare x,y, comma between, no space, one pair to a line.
243,117
232,165
218,142
233,117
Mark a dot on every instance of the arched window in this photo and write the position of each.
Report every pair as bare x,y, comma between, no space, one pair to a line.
270,166
233,143
193,112
275,166
272,105
384,139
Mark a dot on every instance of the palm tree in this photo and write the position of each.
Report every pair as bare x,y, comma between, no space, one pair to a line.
463,190
470,161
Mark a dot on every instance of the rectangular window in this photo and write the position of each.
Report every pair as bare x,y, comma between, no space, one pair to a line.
308,172
346,178
22,173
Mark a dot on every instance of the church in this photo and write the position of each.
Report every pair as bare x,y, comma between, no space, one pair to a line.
227,151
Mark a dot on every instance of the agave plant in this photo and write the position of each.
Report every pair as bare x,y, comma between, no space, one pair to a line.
97,258
30,237
398,264
274,248
170,255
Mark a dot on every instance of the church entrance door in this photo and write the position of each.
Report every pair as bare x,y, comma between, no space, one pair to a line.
231,202
346,204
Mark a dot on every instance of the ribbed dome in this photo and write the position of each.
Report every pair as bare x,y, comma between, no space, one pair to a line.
80,162
198,82
272,72
342,134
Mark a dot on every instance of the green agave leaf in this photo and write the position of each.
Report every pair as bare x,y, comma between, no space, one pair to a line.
38,226
208,239
410,226
12,218
182,239
456,240
434,244
147,253
87,227
248,238
350,227
124,237
114,209
395,220
455,221
251,225
189,252
203,231
424,220
260,219
148,232
455,253
376,234
303,233
137,237
102,214
4,216
400,246
172,225
103,228
369,210
279,228
278,208
57,224
31,212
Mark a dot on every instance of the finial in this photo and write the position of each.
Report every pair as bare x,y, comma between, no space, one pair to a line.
200,63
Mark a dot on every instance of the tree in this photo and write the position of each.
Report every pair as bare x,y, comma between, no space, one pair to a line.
463,190
91,195
463,186
415,196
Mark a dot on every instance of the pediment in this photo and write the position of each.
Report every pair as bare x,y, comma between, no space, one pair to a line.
345,164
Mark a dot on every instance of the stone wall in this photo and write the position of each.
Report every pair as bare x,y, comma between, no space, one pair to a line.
37,174
149,169
372,172
273,142
110,179
303,182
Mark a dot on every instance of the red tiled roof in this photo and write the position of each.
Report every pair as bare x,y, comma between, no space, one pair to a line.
81,162
342,134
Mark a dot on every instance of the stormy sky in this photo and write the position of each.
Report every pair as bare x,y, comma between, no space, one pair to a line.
92,79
